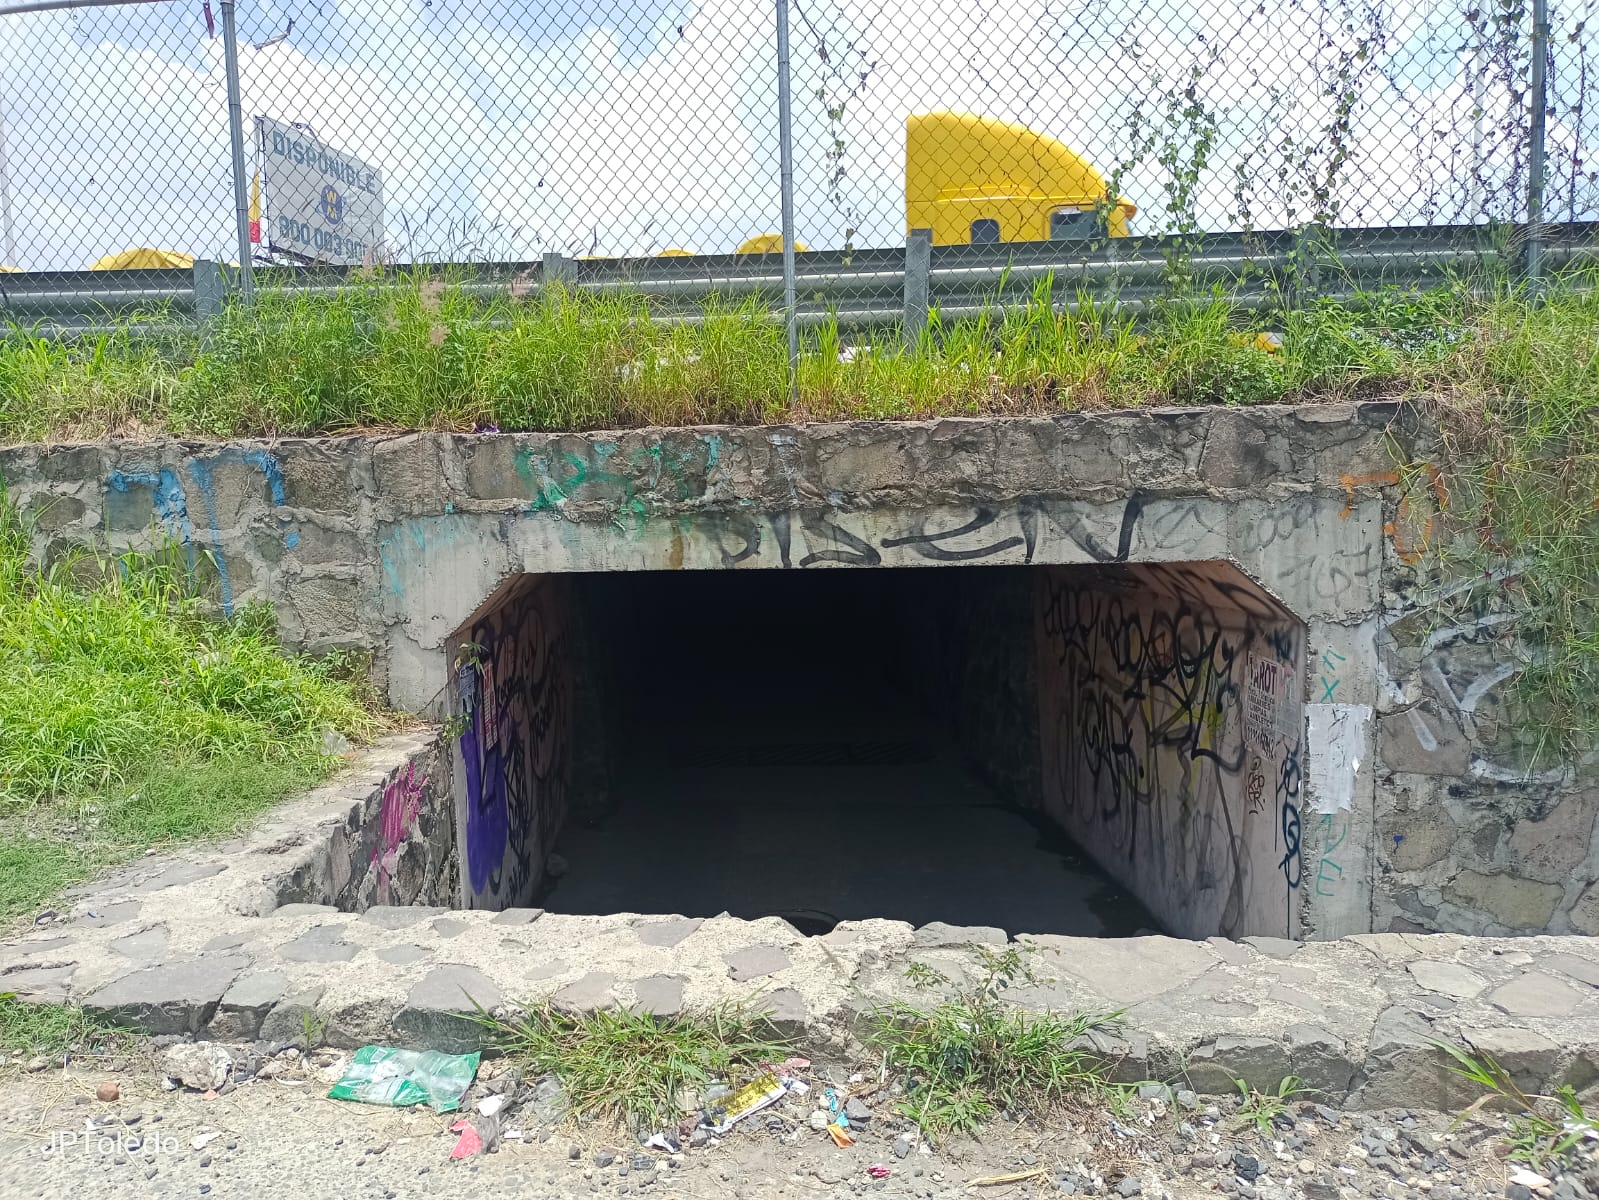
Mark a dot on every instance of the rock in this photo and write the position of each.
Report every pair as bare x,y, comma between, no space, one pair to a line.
439,1012
658,995
1320,1059
755,962
1451,979
573,1153
174,997
668,933
549,1104
1516,1191
604,1158
37,1063
1129,1186
1247,1166
107,1092
1535,994
1509,899
857,1111
202,1066
1530,1057
1260,1062
819,1119
902,1146
1322,1189
1187,1099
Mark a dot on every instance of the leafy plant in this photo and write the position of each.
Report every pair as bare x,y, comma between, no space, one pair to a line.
974,1055
51,1028
632,1066
1543,1129
1262,1108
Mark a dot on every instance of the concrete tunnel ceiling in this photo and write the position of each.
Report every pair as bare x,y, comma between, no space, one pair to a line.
1090,749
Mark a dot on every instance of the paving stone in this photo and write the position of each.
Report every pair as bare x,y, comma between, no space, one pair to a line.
1404,1067
28,949
1126,971
545,970
1530,1057
937,933
398,916
448,927
403,955
754,962
1536,995
145,945
100,916
1321,1059
288,1018
1451,979
667,933
587,995
1215,1067
517,916
1275,947
1231,952
1296,976
48,980
180,873
660,995
438,1011
302,910
316,946
1577,968
222,941
1125,1053
784,1010
245,1005
174,997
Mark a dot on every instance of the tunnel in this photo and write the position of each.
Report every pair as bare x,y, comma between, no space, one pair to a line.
1095,750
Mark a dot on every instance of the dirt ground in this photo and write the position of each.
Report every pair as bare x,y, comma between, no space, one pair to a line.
281,1135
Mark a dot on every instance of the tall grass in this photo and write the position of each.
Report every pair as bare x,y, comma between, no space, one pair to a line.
129,717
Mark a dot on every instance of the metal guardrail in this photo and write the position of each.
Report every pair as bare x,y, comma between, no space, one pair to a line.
870,287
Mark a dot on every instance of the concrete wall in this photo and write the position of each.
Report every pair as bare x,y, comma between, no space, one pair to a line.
391,544
1171,720
511,736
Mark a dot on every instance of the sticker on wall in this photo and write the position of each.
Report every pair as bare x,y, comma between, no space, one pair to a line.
491,729
1337,741
1271,708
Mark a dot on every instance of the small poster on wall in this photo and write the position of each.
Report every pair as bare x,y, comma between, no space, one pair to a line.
1271,705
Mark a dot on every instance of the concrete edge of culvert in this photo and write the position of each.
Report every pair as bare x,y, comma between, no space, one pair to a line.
211,944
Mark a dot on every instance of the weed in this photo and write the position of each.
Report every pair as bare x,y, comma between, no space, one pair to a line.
631,1067
312,1029
50,1028
973,1055
1262,1108
1543,1130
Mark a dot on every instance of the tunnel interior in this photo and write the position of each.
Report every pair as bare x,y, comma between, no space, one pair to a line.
1101,750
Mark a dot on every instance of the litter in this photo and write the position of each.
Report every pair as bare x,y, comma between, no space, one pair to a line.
1000,1180
840,1117
762,1091
469,1143
1529,1179
841,1136
399,1078
659,1141
205,1139
878,1171
490,1105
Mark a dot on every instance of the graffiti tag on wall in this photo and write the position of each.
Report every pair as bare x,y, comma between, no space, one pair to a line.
402,805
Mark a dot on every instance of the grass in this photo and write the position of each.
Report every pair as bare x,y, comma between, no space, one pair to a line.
1260,1109
1510,377
631,1067
1543,1130
50,1029
131,718
972,1057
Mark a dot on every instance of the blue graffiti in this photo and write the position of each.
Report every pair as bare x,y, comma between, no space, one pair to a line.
172,504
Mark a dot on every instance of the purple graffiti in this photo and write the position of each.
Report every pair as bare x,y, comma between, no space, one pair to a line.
487,815
402,805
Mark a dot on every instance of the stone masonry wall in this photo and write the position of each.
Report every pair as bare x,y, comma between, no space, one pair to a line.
1417,811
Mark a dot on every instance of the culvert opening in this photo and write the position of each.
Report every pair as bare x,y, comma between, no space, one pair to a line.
1091,750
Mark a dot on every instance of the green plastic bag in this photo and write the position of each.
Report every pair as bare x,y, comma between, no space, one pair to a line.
400,1078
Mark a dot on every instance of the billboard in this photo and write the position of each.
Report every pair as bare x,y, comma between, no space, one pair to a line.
321,204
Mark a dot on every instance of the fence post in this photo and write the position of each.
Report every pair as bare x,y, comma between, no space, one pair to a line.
918,264
241,190
785,154
556,268
210,289
1538,97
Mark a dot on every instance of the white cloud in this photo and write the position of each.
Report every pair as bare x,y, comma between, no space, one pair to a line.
512,131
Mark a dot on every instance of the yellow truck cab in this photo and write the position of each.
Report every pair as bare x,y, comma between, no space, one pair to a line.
973,180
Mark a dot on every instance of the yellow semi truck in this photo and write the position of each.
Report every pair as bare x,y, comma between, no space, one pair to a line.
971,180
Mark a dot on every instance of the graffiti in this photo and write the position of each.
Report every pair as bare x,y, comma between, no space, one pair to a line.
1328,679
515,742
1148,760
1329,874
629,487
1410,542
172,507
402,805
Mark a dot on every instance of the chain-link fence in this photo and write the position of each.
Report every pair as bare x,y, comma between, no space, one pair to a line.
502,131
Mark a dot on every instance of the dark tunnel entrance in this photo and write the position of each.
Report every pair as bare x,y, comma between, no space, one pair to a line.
1069,750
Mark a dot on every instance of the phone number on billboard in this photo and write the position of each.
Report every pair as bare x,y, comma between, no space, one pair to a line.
324,242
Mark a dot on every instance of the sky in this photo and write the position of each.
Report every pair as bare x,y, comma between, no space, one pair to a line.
508,129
